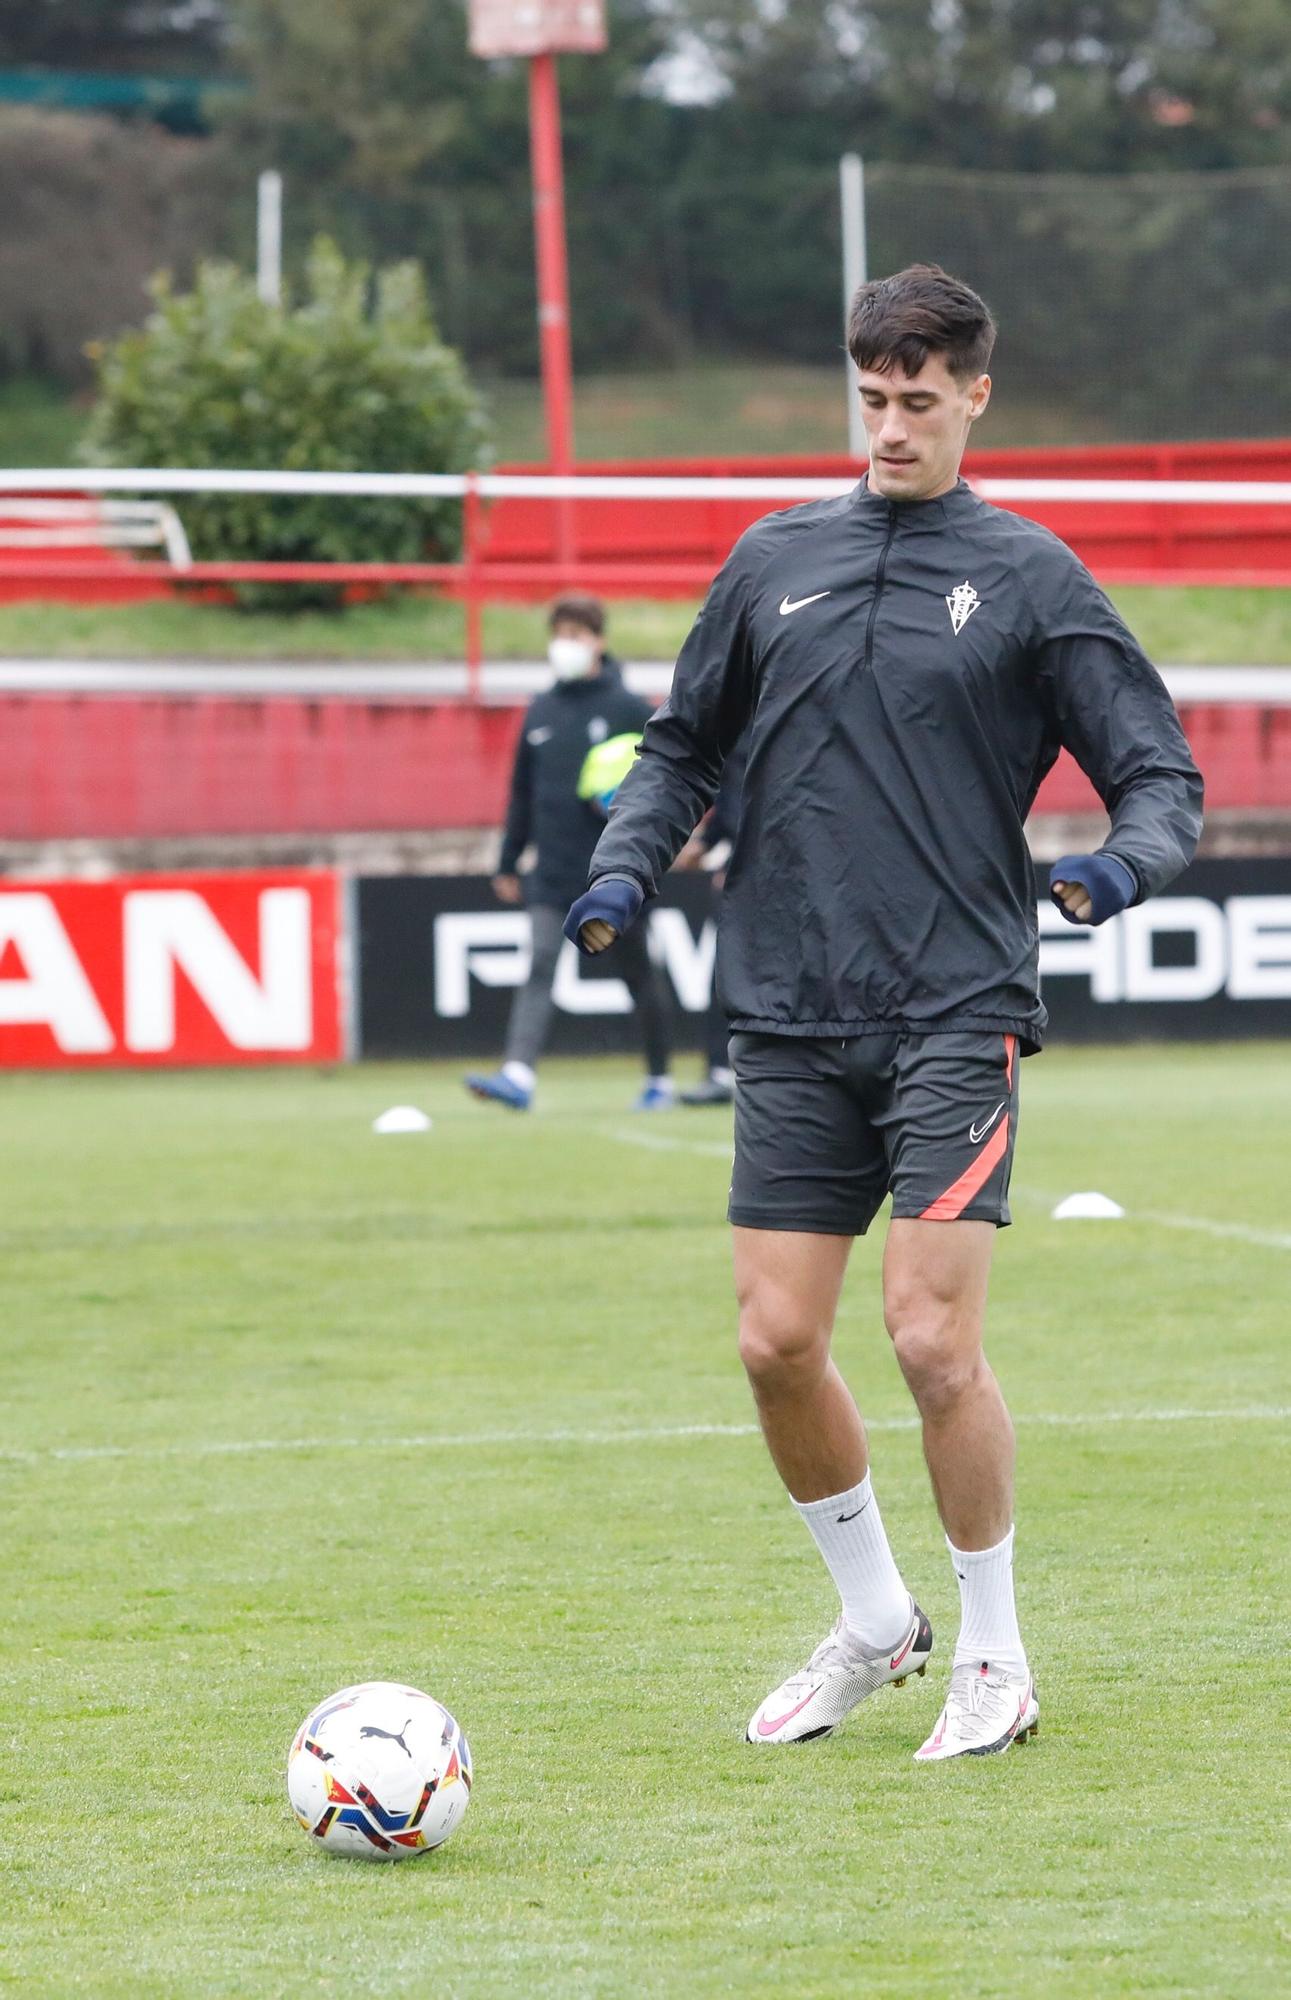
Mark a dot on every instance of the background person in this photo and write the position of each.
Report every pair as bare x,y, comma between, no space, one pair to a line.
587,706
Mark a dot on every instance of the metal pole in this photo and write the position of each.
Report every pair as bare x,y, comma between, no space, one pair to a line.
851,190
269,237
471,587
553,282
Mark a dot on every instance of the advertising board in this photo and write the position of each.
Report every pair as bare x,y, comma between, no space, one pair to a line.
537,27
154,970
440,958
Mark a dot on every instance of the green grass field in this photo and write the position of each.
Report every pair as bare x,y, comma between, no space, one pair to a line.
740,408
289,1406
40,424
1178,626
704,407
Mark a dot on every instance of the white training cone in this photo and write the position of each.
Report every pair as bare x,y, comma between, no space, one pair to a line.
401,1118
1089,1207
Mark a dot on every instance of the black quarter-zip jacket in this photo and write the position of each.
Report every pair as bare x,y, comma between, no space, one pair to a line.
561,725
908,672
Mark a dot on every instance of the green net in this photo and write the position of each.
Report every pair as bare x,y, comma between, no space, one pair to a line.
1137,306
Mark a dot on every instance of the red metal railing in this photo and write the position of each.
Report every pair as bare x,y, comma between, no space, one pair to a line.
1215,515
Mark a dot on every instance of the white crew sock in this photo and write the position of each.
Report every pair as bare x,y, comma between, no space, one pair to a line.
520,1075
726,1077
989,1620
847,1530
664,1083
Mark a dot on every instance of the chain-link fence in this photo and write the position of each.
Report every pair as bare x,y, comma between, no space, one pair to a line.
1141,306
1138,307
1145,306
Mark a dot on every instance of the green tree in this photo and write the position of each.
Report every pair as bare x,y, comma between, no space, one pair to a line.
354,378
392,134
713,224
1066,85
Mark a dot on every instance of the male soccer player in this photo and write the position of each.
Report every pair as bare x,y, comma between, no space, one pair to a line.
909,661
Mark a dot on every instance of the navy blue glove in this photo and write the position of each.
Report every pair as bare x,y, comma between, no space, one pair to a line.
614,899
1108,881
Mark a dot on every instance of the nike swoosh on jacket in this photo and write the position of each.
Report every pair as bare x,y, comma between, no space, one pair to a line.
881,879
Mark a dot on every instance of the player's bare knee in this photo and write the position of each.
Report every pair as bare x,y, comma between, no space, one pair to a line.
781,1346
939,1358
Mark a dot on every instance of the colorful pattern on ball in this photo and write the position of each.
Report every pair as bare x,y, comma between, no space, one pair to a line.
379,1771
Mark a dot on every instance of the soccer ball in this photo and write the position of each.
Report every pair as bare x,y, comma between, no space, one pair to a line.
379,1771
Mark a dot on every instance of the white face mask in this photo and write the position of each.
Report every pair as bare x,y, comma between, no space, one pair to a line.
571,659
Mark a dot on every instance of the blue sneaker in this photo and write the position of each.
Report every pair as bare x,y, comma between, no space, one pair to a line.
499,1089
656,1097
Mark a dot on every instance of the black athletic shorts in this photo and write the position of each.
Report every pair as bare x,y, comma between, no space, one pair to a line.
825,1129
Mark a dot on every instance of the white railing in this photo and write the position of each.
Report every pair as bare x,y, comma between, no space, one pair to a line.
599,486
112,524
504,682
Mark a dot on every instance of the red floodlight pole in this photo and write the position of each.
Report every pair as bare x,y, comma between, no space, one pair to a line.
553,271
540,30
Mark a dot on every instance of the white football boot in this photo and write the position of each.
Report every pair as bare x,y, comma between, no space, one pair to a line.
840,1673
986,1710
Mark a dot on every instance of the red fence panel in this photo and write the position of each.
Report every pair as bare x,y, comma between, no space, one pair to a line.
1122,542
123,766
1158,540
136,766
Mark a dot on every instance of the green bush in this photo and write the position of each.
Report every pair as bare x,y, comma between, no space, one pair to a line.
216,378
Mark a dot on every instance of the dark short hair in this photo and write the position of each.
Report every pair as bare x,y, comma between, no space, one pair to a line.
576,609
901,320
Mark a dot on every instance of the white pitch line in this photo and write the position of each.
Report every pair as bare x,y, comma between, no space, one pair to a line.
457,1440
1241,1232
655,1142
1262,1413
1267,1239
1090,1420
1200,1225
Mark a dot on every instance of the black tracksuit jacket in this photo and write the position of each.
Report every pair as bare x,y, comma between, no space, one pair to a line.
909,671
560,726
723,821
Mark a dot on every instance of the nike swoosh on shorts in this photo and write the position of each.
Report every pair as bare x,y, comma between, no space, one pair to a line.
976,1133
